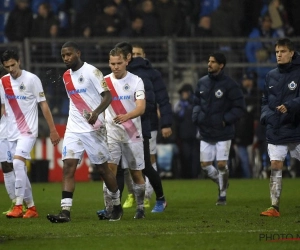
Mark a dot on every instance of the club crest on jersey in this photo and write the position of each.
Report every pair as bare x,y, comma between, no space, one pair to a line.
126,87
219,93
80,79
22,87
292,85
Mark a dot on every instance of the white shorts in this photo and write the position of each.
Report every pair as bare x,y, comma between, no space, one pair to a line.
93,143
3,150
130,154
216,150
152,142
279,152
21,147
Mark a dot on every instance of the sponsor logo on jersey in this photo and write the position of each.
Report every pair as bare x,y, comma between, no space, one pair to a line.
121,97
18,97
42,94
77,91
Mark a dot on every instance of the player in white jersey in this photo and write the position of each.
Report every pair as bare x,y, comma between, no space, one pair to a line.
85,132
7,168
123,123
21,92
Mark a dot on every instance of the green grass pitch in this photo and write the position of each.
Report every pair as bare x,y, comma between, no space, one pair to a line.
191,220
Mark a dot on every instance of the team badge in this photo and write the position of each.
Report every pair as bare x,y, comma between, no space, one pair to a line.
22,87
292,85
42,94
126,87
219,93
104,85
80,79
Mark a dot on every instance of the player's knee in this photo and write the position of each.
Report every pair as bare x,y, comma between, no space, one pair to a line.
276,165
221,165
69,168
205,164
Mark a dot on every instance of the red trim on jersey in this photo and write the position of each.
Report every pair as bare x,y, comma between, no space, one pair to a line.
76,97
18,113
118,107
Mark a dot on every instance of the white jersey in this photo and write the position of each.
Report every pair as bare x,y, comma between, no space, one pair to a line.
123,101
84,87
21,97
3,127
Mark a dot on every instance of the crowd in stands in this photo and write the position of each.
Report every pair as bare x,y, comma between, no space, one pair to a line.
147,18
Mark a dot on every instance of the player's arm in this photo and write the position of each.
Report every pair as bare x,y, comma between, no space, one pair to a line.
49,119
140,103
106,100
2,109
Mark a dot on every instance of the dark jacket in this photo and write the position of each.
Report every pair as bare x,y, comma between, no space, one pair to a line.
244,127
282,87
144,70
217,99
186,129
163,102
18,25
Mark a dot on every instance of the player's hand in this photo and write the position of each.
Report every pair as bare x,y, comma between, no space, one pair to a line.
93,118
121,118
282,108
166,132
54,137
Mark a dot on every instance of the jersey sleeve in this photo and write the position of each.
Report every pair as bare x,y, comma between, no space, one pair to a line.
139,85
1,92
37,89
99,81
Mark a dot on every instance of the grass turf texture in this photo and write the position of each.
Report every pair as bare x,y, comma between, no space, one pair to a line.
191,220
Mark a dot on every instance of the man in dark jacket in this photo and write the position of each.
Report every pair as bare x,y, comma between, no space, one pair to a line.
218,104
280,113
19,22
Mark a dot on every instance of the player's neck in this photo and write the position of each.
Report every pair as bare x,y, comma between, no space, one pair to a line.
78,66
120,76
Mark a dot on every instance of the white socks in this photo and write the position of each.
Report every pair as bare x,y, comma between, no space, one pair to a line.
9,181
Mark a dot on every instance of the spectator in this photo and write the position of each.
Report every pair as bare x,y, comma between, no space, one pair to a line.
45,24
55,5
170,18
150,17
224,20
203,27
136,28
247,123
208,6
19,22
188,144
85,16
123,11
279,17
292,7
261,51
109,23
